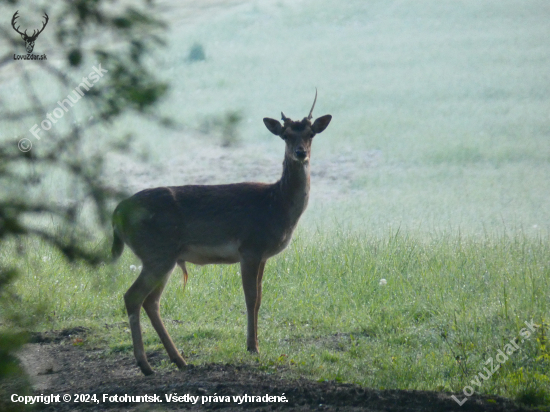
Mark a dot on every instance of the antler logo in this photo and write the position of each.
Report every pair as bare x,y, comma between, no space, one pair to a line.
29,40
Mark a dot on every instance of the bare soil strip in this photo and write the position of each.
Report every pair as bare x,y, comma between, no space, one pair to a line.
57,366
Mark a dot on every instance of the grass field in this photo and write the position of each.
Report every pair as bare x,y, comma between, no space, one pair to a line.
426,244
446,307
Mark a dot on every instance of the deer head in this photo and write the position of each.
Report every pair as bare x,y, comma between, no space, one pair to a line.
29,40
298,134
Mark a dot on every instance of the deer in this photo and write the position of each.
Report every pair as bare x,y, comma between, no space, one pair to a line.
245,223
29,40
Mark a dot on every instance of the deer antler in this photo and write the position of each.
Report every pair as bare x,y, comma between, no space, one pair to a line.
34,33
283,117
34,36
15,16
311,111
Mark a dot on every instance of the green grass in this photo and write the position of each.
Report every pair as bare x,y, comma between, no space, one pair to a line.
449,304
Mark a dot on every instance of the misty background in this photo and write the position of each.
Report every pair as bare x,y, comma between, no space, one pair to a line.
441,109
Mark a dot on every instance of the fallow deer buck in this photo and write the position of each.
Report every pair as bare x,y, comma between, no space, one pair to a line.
244,223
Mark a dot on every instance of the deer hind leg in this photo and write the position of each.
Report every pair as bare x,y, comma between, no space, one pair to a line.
152,307
252,272
152,278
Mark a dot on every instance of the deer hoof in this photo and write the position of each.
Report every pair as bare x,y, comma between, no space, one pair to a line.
180,363
146,369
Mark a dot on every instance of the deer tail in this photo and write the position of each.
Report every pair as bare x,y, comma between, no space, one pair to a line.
118,245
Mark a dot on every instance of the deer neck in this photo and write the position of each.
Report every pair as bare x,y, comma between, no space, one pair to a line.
294,187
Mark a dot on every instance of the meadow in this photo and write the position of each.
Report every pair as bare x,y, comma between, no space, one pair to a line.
387,312
426,244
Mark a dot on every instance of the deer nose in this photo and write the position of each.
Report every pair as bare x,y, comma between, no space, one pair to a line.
301,153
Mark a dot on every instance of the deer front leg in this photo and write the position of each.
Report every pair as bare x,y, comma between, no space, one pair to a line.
252,272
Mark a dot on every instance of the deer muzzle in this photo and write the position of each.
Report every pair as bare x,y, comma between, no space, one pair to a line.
301,154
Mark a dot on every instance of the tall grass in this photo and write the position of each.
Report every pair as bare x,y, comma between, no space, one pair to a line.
447,304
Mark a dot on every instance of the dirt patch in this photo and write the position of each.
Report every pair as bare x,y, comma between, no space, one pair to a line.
58,365
56,336
211,164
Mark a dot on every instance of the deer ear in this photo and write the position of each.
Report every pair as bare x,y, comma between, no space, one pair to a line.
273,126
321,123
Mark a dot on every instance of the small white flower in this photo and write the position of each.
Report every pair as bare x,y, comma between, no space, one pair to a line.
383,282
45,258
133,268
140,267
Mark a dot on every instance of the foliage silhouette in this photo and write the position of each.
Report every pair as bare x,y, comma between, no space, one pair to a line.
88,33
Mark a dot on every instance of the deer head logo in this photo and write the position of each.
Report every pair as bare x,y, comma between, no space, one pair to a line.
29,40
